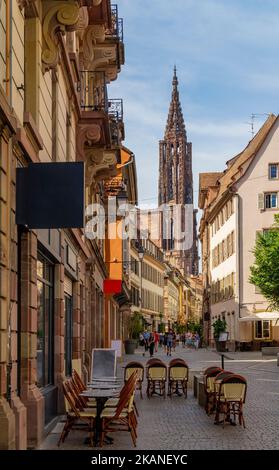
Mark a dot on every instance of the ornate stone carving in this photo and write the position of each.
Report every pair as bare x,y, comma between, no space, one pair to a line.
60,17
100,165
83,21
93,35
87,136
24,3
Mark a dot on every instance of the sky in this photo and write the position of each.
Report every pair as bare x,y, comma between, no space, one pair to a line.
226,53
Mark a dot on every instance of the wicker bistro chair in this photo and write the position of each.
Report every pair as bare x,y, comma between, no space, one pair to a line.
230,399
178,375
122,417
75,413
209,376
130,368
156,379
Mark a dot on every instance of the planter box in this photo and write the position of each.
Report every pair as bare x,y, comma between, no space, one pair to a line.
270,351
130,346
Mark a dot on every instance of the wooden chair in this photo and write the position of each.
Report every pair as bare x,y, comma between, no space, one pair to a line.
230,399
209,376
178,375
151,362
130,368
76,414
80,387
156,379
122,417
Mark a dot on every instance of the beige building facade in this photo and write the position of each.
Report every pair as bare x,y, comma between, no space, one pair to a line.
237,205
56,60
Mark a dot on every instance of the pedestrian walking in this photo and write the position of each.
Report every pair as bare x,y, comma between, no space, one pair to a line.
197,340
151,344
156,338
165,340
146,335
169,342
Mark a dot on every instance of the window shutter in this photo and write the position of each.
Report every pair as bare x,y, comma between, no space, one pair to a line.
261,201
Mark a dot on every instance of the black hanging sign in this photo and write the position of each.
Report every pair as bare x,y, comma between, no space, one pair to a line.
50,195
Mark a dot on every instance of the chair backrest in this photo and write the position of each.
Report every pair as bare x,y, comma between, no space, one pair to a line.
126,393
77,379
234,388
177,360
157,372
154,360
211,369
209,378
179,372
131,367
128,385
215,382
80,402
70,399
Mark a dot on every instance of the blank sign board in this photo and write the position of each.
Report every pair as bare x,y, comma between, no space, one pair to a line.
103,363
117,345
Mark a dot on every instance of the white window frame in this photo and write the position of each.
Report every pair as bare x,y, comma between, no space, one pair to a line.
270,195
262,338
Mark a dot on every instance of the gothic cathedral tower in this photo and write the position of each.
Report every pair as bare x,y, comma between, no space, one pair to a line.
176,182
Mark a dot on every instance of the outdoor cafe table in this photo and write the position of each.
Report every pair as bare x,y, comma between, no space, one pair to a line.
101,396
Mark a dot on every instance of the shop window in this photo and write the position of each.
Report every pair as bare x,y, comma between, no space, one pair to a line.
262,329
45,335
68,334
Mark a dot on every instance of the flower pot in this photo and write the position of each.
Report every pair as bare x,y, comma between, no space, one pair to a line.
220,346
130,346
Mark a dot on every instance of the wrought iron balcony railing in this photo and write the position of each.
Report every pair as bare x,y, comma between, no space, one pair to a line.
92,90
115,109
117,23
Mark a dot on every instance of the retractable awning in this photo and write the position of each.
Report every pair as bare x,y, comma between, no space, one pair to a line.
272,316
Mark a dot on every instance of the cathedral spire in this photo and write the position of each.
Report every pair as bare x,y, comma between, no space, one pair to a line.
175,122
175,186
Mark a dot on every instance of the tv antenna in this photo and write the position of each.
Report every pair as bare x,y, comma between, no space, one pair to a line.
252,122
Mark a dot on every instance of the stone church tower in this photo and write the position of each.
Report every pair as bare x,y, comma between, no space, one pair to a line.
176,184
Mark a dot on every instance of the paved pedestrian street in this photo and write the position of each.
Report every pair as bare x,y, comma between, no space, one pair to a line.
180,423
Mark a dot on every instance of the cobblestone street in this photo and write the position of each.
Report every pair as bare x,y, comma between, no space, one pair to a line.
182,424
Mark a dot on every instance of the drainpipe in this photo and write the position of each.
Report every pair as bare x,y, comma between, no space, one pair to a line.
9,23
237,248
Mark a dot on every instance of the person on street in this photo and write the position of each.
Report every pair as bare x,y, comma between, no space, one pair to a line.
197,340
165,340
151,344
146,335
156,338
169,342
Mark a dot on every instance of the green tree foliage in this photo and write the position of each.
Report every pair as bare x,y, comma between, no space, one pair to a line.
219,326
134,325
194,327
265,271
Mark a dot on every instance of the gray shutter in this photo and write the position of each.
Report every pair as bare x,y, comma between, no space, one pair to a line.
261,201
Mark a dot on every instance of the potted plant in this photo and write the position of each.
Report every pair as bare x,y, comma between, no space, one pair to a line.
133,329
219,326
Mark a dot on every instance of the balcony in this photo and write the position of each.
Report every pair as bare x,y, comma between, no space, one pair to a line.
117,24
92,90
115,112
115,109
100,124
